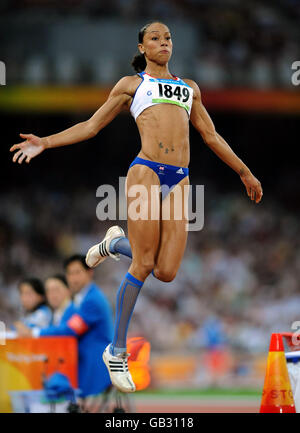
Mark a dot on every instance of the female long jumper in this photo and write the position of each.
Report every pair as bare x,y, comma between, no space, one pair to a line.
162,105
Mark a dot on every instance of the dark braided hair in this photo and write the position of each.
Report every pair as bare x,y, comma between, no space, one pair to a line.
139,62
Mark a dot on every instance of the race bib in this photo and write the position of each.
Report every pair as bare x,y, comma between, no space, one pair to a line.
173,93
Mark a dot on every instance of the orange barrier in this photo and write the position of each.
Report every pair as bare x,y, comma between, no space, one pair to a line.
25,361
277,396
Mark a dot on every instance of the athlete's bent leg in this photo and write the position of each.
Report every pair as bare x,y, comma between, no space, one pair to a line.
173,233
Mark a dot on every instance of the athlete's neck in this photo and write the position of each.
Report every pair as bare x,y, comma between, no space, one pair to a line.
158,71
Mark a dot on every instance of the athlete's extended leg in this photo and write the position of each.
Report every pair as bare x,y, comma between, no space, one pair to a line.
143,233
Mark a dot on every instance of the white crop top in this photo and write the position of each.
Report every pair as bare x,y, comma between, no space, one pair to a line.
153,91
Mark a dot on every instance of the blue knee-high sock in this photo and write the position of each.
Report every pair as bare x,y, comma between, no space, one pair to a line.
126,299
122,246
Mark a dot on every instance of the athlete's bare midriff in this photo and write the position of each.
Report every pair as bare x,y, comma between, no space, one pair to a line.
164,132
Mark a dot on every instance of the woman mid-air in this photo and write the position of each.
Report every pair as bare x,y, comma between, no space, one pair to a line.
162,105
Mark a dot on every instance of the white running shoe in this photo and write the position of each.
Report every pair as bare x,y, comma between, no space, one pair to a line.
118,370
99,252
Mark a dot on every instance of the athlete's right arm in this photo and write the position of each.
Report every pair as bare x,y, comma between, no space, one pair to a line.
118,100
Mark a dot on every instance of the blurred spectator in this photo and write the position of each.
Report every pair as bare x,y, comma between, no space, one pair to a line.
91,323
253,272
210,72
35,70
249,279
104,70
253,40
261,73
66,69
37,314
59,298
210,335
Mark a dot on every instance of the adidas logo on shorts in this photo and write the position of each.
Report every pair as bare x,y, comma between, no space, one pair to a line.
180,171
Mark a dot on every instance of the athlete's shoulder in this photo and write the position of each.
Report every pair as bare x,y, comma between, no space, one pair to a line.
129,79
127,84
194,86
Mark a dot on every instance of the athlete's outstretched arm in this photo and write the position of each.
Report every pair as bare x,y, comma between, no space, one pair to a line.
203,123
116,102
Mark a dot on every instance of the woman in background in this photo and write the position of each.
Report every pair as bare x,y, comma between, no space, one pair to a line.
36,312
60,299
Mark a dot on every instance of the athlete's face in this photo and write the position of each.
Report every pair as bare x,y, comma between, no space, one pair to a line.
57,293
78,276
157,44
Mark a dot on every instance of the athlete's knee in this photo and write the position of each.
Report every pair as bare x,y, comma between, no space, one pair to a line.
143,266
164,274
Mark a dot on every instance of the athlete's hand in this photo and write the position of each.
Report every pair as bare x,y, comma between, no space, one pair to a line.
253,187
31,147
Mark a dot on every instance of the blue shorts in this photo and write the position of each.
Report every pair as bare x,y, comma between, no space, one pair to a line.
169,175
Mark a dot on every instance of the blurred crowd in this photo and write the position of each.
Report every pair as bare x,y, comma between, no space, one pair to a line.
251,43
238,282
239,279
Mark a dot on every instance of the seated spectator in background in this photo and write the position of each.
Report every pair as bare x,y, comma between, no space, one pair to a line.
59,298
92,324
37,314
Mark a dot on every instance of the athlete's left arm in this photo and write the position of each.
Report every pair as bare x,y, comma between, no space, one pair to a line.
202,122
